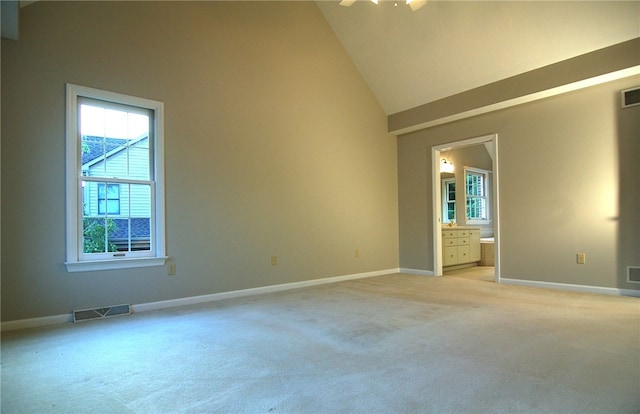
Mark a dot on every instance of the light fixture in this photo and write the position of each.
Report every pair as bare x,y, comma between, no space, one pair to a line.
414,4
446,166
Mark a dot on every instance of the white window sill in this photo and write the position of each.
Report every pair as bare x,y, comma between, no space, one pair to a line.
89,266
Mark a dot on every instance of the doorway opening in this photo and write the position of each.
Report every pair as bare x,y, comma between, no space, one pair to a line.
477,204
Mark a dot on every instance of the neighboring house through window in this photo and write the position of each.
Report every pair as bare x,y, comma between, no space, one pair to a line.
115,181
108,198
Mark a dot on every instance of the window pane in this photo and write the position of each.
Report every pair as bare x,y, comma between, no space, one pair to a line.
476,208
93,154
120,236
92,120
95,231
108,201
475,184
113,207
451,211
89,188
113,191
451,190
140,234
115,123
140,200
139,161
133,232
480,186
115,142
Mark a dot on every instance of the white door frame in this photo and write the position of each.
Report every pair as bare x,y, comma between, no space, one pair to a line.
437,198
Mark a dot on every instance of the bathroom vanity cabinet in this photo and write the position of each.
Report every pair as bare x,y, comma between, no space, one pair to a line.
460,245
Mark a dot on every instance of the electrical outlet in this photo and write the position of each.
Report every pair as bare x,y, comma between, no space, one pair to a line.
274,260
581,258
172,269
357,252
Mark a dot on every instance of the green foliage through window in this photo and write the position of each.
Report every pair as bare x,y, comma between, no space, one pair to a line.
96,232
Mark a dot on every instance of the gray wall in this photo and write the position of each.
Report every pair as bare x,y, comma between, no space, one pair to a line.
274,146
566,166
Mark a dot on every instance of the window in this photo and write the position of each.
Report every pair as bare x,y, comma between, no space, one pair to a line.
108,198
115,176
476,192
449,200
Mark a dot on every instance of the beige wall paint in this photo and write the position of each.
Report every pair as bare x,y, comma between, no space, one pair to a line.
561,164
274,146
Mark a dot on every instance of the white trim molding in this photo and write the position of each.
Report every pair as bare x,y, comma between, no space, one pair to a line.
164,304
143,307
572,287
417,272
36,322
127,263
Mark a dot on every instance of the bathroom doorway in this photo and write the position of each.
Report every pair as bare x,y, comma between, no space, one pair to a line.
467,212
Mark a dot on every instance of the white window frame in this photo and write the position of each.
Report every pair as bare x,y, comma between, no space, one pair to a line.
487,196
74,239
445,200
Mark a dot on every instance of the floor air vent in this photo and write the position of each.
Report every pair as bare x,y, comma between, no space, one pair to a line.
99,313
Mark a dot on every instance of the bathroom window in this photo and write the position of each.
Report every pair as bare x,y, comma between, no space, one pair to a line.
477,200
448,200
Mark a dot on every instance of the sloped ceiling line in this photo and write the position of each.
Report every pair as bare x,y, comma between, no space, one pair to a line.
604,65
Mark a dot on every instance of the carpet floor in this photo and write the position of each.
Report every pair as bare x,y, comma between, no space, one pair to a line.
390,344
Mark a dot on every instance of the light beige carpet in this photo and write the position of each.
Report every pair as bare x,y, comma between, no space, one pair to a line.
389,344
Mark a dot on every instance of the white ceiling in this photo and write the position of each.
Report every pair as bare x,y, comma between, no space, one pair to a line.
446,47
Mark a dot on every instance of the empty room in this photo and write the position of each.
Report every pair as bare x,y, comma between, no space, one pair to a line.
320,206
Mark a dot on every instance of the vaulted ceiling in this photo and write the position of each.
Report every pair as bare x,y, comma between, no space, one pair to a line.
410,58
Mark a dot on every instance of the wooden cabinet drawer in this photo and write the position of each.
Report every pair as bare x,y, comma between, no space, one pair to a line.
463,241
449,242
449,233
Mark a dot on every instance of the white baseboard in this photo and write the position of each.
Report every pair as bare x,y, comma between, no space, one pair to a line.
416,272
143,307
571,287
36,322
